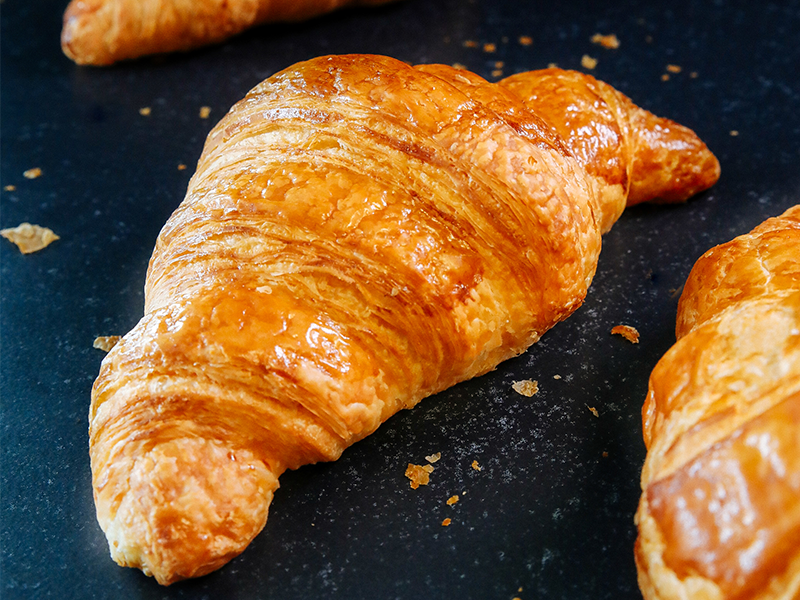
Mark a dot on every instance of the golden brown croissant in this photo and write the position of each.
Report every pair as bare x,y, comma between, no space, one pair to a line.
719,516
101,32
359,234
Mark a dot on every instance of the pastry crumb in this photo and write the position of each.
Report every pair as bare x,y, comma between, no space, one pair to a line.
526,387
32,173
556,376
181,167
10,188
525,40
497,73
594,411
606,41
452,500
419,474
205,111
145,111
29,238
734,133
587,62
459,66
446,522
693,75
665,77
605,454
674,68
470,44
106,342
434,457
489,48
476,466
552,65
629,333
499,64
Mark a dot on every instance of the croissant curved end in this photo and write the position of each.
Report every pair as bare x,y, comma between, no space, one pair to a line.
185,508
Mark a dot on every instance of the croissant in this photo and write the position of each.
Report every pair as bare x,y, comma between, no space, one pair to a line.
359,234
719,515
102,32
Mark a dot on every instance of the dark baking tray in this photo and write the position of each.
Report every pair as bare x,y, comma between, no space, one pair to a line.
551,513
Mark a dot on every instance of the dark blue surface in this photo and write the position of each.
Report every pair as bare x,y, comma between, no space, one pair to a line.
548,513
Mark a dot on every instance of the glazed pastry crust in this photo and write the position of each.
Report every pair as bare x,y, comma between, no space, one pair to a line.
719,515
359,234
102,32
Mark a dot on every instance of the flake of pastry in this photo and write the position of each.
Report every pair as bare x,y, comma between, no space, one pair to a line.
32,173
587,62
629,333
29,238
418,474
526,387
106,342
606,41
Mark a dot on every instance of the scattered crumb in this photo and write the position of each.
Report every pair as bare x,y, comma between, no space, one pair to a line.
525,40
734,133
476,466
556,376
665,77
10,188
674,293
605,454
526,387
648,39
606,41
693,75
32,173
181,167
587,62
674,69
452,500
446,522
419,474
205,111
489,47
434,457
497,73
470,44
459,66
29,238
499,64
552,66
629,333
594,411
106,342
145,111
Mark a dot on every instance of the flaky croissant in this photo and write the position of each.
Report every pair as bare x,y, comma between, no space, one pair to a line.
102,32
359,234
719,516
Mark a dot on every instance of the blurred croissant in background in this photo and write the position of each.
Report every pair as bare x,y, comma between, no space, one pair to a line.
719,517
102,32
359,234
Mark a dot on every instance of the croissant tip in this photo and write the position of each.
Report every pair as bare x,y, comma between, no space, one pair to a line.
185,507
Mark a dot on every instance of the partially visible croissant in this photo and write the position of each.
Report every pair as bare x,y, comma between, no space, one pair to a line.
719,516
359,234
102,32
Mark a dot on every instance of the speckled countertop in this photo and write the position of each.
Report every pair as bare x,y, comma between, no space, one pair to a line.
550,513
